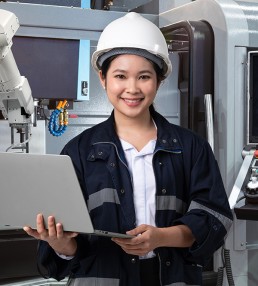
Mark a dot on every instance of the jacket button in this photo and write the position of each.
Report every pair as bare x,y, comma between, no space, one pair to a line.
100,153
174,140
168,263
122,191
112,164
160,163
164,141
133,260
163,191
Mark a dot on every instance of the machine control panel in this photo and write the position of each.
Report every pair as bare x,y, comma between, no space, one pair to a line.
244,196
251,189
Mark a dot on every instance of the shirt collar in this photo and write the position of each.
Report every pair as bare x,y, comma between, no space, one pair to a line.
146,150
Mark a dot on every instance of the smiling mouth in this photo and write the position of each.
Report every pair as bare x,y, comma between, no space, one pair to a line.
132,100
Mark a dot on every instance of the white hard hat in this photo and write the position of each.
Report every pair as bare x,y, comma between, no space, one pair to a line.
134,34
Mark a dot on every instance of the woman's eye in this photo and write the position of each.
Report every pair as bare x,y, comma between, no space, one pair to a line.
144,77
120,76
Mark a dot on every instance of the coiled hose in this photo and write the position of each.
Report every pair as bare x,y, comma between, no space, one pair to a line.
58,119
227,267
220,276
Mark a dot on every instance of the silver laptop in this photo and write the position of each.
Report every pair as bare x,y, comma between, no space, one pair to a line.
34,183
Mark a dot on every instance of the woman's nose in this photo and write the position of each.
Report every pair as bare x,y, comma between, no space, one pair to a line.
132,86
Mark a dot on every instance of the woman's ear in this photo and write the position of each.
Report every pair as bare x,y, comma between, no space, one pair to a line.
102,80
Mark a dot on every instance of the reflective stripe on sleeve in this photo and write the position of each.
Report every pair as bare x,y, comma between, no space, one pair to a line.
223,219
89,281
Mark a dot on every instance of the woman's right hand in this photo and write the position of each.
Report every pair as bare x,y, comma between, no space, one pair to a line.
61,241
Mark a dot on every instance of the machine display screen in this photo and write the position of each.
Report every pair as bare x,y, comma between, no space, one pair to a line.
50,65
253,98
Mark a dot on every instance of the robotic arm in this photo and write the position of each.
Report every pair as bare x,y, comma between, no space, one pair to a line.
16,102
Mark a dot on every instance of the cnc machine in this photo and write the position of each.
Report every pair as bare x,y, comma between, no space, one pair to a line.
212,90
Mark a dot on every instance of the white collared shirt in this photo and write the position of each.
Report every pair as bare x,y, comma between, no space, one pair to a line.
144,184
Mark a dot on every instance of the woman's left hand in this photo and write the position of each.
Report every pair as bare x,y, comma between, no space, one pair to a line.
146,239
149,237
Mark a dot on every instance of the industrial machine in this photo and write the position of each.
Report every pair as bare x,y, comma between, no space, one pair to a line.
212,90
16,102
19,55
244,196
234,25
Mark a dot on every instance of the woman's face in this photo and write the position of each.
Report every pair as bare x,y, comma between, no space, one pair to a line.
131,85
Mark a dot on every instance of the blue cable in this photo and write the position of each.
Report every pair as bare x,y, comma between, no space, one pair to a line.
54,127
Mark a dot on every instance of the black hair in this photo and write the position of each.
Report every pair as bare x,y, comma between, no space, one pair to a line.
107,62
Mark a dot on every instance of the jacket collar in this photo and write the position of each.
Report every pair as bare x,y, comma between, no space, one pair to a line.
105,131
167,136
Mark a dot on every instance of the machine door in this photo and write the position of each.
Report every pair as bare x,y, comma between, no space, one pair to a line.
194,42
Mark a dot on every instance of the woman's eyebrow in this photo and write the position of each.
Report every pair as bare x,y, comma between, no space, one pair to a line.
125,71
119,70
146,71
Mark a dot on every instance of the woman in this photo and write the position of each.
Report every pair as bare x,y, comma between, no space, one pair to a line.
140,175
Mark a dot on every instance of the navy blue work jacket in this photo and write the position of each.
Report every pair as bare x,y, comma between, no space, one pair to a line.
189,190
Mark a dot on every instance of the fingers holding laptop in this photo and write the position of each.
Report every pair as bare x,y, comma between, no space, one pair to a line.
146,239
61,241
